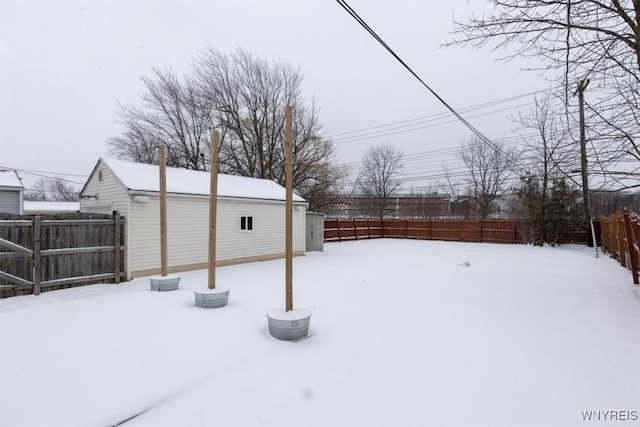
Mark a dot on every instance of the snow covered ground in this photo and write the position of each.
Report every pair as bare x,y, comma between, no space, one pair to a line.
403,333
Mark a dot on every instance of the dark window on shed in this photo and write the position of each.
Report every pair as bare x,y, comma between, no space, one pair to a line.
246,223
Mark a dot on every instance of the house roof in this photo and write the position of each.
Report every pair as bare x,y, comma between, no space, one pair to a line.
44,206
10,179
145,178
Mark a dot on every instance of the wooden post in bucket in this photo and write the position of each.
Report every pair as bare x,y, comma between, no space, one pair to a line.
165,281
214,297
289,324
213,207
162,155
289,206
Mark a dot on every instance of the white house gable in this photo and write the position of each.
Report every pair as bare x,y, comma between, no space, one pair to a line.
103,192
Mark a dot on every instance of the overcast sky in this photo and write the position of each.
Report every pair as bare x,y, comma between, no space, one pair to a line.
65,65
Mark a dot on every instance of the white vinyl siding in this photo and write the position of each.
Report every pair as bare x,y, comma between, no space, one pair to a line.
188,225
268,232
111,195
11,201
188,231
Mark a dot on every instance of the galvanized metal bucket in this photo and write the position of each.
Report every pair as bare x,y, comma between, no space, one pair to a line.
289,325
212,298
170,282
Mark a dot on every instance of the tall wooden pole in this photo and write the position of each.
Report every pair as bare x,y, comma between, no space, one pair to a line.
162,155
289,206
213,207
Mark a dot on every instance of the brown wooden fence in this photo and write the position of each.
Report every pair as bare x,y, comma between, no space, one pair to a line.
489,231
620,236
59,251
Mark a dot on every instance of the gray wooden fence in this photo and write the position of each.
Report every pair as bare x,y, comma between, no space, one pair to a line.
46,252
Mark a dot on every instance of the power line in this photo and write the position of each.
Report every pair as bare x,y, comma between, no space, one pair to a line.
430,153
361,21
442,115
53,178
444,152
388,131
43,172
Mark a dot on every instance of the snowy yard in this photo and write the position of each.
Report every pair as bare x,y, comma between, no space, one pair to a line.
402,333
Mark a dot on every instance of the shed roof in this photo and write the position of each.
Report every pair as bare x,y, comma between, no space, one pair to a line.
10,179
144,177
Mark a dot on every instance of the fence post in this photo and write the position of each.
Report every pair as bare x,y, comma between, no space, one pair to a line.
621,252
406,228
603,243
480,231
37,264
632,252
610,248
635,238
614,237
338,228
355,228
368,228
116,255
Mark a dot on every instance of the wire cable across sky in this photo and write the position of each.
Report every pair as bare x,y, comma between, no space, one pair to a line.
361,21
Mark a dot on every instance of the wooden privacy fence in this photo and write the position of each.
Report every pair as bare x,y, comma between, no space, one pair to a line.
620,236
59,251
487,231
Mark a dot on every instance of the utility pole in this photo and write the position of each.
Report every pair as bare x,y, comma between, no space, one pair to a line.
582,86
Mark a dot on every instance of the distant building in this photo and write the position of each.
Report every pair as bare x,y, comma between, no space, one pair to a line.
11,192
401,206
462,207
610,202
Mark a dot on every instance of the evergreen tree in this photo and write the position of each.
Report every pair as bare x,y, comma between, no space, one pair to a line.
551,212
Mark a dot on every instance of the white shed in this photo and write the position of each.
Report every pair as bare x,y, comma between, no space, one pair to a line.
11,192
250,221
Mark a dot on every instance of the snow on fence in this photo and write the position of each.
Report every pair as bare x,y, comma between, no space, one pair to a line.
487,231
620,236
59,251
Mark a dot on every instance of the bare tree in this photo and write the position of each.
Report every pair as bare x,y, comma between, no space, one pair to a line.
170,113
548,157
53,189
249,95
136,143
244,96
576,40
39,191
584,34
614,132
549,154
378,178
488,170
